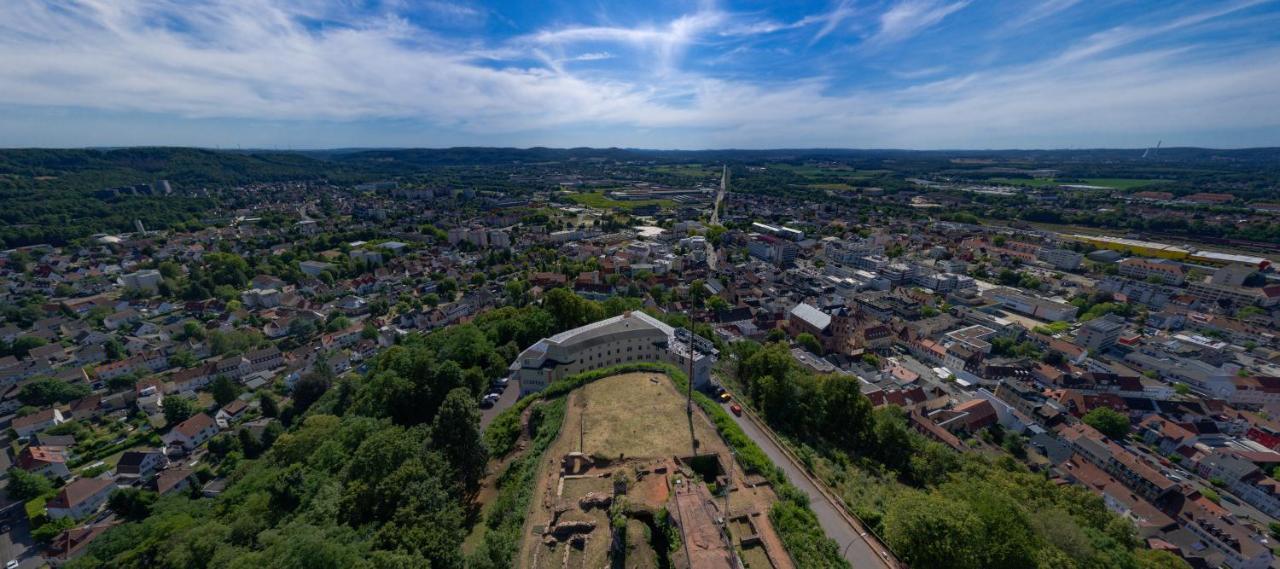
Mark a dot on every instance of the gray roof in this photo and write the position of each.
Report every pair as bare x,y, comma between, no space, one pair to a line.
816,318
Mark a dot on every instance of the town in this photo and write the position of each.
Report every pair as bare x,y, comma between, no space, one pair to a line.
1142,370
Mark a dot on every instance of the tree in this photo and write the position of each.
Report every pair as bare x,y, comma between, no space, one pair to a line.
122,382
809,342
929,530
131,503
847,412
268,405
114,349
1158,559
1053,358
183,359
1108,422
178,409
51,529
311,386
24,344
456,433
45,391
24,486
224,390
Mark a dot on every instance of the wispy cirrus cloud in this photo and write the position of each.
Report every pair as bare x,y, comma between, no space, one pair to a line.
906,18
1036,12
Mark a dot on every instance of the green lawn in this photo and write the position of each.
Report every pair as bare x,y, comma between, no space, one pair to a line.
600,201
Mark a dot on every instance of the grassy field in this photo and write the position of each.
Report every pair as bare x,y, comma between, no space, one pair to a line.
636,415
600,201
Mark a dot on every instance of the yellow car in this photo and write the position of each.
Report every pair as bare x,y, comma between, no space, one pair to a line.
724,397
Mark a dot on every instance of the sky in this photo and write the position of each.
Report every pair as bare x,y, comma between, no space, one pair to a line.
918,74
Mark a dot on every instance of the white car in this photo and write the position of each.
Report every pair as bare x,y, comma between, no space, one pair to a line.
12,564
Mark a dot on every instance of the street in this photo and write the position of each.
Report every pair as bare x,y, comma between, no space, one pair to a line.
16,543
859,549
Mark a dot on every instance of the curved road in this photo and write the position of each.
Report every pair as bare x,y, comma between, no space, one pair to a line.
860,549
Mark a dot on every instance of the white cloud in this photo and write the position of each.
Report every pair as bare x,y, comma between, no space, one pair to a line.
907,18
830,20
254,59
1037,12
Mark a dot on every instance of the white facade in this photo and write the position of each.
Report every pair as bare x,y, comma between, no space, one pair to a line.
627,338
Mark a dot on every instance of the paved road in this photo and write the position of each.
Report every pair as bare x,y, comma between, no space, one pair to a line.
861,552
508,399
715,216
17,543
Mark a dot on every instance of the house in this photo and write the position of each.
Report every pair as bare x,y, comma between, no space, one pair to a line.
172,480
968,417
150,396
80,498
230,412
71,543
141,463
191,433
45,461
36,422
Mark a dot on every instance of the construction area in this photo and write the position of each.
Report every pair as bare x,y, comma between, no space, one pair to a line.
633,480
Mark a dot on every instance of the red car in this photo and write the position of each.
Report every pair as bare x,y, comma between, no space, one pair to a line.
737,409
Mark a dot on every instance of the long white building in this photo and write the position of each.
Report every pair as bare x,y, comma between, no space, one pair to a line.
629,337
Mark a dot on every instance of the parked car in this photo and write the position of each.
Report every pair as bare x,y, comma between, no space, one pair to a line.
724,397
486,403
737,409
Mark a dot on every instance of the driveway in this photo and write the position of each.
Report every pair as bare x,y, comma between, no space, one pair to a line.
508,399
861,551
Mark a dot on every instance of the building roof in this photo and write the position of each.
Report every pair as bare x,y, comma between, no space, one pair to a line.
134,458
41,416
194,425
624,320
76,492
167,479
811,315
32,455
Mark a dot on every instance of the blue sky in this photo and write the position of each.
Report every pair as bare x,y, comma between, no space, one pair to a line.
655,74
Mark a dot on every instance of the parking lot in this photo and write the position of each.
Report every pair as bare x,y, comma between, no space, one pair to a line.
509,397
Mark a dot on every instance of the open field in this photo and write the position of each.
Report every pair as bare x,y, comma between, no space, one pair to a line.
636,415
600,201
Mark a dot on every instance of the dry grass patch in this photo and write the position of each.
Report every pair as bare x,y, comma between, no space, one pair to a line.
637,415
